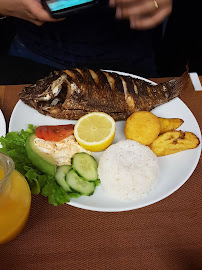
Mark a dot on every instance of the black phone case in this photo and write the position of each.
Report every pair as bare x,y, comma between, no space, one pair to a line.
62,13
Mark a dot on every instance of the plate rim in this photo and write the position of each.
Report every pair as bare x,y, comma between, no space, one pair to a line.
2,124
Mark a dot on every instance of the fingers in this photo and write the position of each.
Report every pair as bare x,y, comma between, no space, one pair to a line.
138,9
142,23
29,10
40,14
36,14
38,23
142,14
114,3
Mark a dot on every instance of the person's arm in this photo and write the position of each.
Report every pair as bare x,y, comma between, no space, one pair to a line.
142,14
30,10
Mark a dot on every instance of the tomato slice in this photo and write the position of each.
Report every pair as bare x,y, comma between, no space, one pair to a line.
54,133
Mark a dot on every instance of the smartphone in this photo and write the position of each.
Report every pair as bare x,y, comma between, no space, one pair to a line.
60,8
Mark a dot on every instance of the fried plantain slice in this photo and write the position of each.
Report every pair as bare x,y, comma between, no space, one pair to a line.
169,124
172,142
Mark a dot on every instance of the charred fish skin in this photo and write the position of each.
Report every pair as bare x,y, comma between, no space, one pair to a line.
72,93
95,93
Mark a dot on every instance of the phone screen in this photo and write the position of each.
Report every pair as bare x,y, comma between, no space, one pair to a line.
56,5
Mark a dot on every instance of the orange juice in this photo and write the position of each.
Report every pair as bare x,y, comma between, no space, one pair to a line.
15,202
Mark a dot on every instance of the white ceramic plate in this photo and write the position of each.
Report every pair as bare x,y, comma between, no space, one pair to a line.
175,169
2,124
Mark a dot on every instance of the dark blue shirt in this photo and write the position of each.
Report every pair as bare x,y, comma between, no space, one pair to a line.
92,38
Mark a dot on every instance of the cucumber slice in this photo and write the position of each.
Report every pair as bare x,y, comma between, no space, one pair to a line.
85,165
78,184
60,177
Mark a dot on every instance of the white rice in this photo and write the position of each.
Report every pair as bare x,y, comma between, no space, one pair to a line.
128,170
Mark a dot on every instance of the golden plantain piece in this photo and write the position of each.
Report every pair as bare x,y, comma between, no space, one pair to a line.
169,124
172,142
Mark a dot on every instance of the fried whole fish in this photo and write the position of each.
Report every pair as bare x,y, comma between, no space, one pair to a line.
72,93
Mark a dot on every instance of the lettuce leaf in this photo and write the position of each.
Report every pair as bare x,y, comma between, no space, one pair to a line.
13,144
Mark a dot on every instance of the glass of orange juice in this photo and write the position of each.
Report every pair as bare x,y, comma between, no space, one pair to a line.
15,200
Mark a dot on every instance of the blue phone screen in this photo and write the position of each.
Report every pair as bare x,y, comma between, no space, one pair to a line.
56,5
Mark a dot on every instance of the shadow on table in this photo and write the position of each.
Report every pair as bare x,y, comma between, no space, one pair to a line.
186,259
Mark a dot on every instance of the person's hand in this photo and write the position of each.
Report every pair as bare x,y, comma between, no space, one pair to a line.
30,10
142,14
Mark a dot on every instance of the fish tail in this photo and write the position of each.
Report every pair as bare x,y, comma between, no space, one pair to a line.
173,87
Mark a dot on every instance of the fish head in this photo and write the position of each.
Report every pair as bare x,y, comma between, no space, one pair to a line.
45,90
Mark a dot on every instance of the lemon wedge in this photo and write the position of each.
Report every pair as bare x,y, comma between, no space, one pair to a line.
95,131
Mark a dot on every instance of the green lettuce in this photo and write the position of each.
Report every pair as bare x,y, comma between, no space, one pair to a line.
13,144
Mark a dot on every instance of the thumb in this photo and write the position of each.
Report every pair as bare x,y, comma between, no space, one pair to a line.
40,13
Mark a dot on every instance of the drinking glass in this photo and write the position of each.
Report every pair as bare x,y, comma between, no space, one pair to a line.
15,200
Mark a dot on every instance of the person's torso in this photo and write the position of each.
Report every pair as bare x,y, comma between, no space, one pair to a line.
93,37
